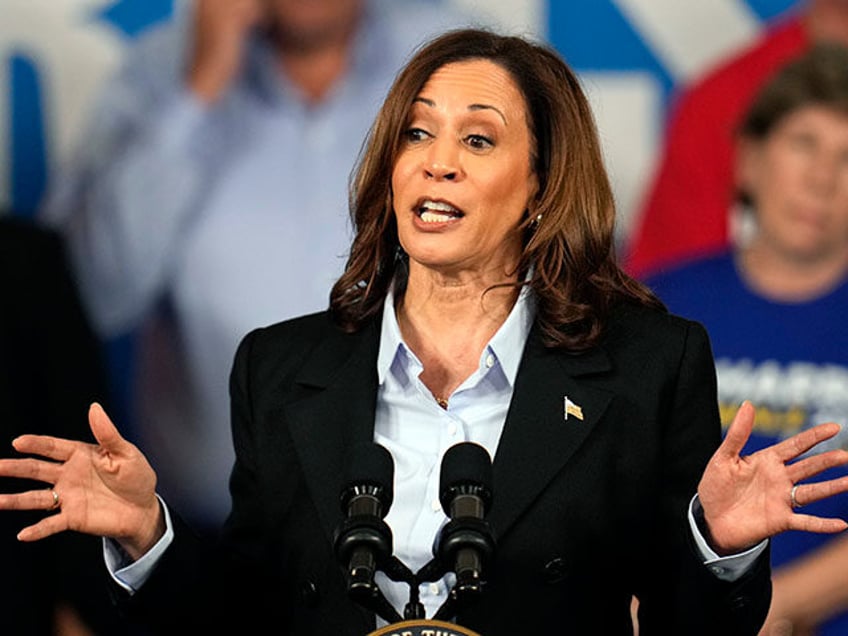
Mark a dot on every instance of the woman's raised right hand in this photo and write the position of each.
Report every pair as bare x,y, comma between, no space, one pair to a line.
106,489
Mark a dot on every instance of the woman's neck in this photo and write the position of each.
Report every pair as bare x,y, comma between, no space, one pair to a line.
448,323
787,279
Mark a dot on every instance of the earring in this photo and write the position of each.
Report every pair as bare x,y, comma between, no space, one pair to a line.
535,222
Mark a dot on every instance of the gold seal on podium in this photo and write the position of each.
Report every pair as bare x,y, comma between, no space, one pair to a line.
423,628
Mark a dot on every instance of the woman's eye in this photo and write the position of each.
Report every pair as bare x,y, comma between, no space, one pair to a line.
802,141
479,142
415,134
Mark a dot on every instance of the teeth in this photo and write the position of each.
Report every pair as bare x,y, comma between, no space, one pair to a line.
438,212
432,217
438,205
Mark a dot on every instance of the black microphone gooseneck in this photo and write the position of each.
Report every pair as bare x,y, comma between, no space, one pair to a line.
466,543
363,541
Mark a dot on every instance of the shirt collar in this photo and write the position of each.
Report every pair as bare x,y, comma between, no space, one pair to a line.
391,342
507,344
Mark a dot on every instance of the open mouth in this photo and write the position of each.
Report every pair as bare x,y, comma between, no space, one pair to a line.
431,211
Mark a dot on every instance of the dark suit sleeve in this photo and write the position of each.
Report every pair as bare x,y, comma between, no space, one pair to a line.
226,584
686,597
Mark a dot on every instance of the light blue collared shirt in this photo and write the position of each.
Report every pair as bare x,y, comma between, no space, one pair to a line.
417,431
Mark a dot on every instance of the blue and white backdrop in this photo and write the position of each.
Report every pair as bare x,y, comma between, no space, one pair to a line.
630,53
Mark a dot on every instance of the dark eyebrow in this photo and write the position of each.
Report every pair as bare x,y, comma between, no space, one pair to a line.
487,107
432,104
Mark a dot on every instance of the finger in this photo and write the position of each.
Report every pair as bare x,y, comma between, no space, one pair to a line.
816,491
54,524
805,440
30,468
815,464
47,446
41,499
821,525
104,430
738,432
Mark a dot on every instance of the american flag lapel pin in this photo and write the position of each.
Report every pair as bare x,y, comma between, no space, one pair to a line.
572,409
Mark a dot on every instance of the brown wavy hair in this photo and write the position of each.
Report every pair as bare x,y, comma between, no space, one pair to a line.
569,252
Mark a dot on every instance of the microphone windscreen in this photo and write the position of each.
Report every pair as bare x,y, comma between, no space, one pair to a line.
370,464
465,466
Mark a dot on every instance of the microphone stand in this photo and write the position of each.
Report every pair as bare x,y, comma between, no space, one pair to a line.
397,571
459,597
371,597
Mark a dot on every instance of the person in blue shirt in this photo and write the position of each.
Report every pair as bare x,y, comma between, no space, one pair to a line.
208,196
481,302
775,307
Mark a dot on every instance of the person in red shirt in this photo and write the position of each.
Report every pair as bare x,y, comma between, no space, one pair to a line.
688,208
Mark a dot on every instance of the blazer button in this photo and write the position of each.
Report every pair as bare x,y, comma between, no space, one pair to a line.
739,603
555,570
309,594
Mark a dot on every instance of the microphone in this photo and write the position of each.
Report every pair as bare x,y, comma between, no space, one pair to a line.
466,541
363,542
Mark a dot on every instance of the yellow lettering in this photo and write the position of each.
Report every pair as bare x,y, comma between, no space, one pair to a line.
769,421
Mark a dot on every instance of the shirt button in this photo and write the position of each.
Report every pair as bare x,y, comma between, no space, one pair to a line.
436,505
717,569
490,361
452,429
434,588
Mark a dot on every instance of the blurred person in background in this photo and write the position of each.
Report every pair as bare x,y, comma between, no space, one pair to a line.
688,208
209,197
775,307
50,368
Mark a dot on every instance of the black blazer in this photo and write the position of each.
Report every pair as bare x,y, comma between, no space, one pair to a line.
586,512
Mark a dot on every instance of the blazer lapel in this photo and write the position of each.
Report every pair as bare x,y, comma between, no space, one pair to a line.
340,379
537,432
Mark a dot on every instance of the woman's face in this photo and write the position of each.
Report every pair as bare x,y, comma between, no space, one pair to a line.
798,178
463,180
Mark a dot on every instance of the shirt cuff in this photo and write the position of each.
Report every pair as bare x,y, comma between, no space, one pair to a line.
729,568
129,574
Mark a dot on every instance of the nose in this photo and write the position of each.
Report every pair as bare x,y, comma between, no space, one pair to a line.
440,172
441,162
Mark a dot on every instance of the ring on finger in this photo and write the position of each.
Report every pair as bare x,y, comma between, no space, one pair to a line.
792,498
55,503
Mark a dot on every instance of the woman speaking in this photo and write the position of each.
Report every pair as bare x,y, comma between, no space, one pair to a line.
481,302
